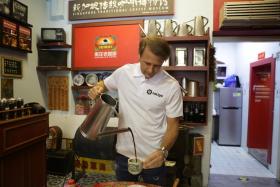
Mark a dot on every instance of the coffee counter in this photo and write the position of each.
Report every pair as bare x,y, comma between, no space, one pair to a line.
23,151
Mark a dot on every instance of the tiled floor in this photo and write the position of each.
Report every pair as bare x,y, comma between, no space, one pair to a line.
217,180
229,160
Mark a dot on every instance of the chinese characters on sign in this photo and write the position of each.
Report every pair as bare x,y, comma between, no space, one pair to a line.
93,9
105,47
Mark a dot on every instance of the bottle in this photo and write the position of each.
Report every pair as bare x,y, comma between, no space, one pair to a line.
191,112
186,113
196,113
201,113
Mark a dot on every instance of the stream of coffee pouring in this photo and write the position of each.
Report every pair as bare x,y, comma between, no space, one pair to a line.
111,132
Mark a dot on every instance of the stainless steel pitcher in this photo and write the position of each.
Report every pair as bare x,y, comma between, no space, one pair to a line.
170,27
199,25
184,29
154,28
96,121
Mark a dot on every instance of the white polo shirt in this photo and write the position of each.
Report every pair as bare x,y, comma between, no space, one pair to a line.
143,106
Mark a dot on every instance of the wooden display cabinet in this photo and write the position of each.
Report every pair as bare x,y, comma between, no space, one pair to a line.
189,60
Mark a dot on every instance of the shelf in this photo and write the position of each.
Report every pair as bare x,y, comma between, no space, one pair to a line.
192,125
185,68
189,38
15,48
195,99
15,20
80,87
109,68
54,45
53,68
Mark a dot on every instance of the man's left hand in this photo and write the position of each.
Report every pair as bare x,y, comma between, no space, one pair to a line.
154,160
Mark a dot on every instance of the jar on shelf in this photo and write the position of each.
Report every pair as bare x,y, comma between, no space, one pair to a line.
82,105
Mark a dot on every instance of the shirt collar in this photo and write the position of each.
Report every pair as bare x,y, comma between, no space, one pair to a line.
137,73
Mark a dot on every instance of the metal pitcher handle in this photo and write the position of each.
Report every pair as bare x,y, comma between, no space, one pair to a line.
176,28
158,27
205,18
191,28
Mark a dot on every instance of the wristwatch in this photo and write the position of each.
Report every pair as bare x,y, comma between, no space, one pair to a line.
164,152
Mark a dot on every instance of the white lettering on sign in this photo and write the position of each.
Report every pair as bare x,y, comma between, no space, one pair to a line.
102,7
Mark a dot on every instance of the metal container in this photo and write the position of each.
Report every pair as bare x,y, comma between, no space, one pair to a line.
98,117
193,88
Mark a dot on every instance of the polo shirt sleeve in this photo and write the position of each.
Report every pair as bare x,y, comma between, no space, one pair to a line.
174,104
112,81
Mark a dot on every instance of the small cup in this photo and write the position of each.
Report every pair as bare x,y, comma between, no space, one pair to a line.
134,166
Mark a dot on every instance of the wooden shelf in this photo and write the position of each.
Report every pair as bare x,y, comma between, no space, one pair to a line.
189,38
185,68
195,99
198,73
54,45
109,68
80,87
53,68
191,124
15,20
15,48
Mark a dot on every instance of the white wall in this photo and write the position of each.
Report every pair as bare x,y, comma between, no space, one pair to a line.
32,87
240,54
224,53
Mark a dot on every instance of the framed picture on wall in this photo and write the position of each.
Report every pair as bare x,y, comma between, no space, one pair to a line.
20,11
181,56
7,88
199,56
11,67
5,7
106,45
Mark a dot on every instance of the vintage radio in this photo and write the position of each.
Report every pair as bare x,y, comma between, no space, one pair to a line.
53,35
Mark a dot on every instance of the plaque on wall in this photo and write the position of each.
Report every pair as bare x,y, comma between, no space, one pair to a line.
20,11
94,9
11,67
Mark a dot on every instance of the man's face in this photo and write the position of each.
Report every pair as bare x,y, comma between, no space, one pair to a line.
150,64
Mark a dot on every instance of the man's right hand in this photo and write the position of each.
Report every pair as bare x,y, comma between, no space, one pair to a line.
97,90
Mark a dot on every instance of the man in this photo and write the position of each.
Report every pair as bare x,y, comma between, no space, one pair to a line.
150,103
